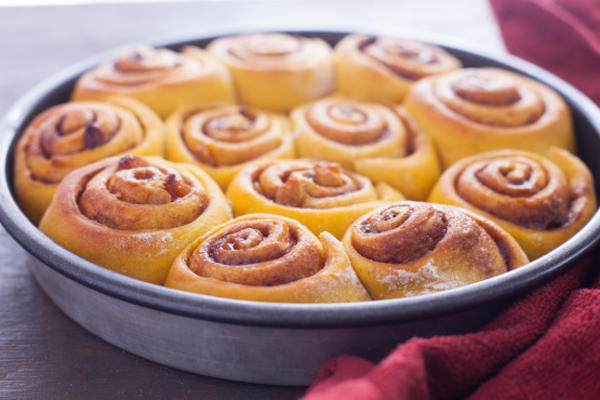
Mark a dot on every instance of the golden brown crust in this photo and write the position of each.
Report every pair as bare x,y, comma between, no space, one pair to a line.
379,142
541,201
223,139
321,195
382,68
409,248
160,78
276,71
133,214
343,130
267,258
71,135
487,109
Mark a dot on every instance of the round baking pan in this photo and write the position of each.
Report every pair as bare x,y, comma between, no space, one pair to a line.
269,342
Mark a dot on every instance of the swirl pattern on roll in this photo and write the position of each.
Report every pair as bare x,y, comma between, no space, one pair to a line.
320,194
310,184
268,50
258,252
143,65
222,139
277,71
409,248
527,191
123,196
407,58
343,130
382,68
230,136
161,78
74,128
541,201
71,135
133,214
269,258
489,109
488,97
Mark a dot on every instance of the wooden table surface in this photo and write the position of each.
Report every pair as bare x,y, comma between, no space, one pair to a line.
43,354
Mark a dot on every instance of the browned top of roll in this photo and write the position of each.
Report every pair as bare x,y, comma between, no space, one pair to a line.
143,65
354,123
526,189
263,251
309,184
494,96
409,59
136,194
71,135
270,51
230,135
403,232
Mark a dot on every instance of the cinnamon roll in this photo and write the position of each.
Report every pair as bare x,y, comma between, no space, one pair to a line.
411,248
68,136
540,201
382,68
473,110
134,214
267,258
368,137
321,195
221,140
161,78
276,71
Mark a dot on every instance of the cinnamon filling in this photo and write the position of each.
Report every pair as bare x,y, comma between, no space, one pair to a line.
528,192
258,252
346,122
135,194
431,236
229,135
76,129
494,91
265,48
407,59
399,234
72,135
143,65
491,97
306,184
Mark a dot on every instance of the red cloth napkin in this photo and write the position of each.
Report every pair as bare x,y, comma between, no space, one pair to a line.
546,345
563,36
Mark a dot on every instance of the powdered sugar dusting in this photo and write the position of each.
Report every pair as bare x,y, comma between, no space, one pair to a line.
429,277
161,241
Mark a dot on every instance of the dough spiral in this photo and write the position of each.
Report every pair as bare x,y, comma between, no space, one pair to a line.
540,201
487,109
383,68
410,248
267,258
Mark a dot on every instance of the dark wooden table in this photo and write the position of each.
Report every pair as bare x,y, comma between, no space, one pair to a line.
43,354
